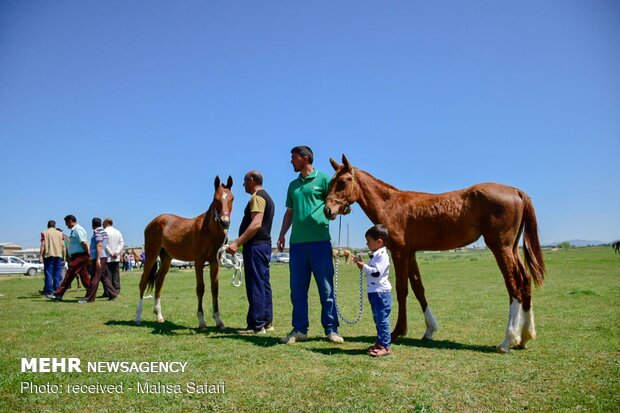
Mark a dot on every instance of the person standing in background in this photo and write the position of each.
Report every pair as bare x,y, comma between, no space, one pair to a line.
52,254
114,251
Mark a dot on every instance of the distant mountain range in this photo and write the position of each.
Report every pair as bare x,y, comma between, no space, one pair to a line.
577,243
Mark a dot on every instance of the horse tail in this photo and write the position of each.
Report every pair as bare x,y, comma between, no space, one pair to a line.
531,246
152,277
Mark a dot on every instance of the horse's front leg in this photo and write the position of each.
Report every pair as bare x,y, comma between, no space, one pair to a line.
214,269
418,289
159,283
200,292
401,265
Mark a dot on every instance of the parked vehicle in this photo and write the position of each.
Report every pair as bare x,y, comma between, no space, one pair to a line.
283,257
181,264
14,265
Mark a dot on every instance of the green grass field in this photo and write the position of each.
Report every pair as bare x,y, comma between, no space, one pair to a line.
574,365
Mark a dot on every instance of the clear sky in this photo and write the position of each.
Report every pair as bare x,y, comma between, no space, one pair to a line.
130,109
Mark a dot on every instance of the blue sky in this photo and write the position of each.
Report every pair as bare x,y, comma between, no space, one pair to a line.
130,109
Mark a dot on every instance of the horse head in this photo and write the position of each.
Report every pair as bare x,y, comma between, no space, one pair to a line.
222,202
343,189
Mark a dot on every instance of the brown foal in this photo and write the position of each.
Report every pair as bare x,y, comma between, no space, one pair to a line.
190,239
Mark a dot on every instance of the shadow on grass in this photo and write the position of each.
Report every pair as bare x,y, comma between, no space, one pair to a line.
437,344
167,328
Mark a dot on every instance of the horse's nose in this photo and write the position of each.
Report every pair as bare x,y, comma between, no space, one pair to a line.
225,222
328,212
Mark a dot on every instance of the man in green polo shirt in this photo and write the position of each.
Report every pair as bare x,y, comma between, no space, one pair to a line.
310,250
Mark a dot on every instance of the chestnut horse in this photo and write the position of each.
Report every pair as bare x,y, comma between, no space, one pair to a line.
419,221
343,253
189,239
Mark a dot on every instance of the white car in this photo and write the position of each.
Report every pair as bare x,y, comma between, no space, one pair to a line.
181,264
14,265
281,257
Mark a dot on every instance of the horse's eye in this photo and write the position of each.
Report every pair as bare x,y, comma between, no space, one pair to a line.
340,185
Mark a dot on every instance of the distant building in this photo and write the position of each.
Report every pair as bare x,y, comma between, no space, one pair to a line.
9,248
28,253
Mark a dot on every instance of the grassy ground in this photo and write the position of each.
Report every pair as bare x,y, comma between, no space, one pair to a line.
573,365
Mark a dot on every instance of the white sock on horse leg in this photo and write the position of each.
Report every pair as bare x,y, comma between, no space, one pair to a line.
139,312
513,330
431,323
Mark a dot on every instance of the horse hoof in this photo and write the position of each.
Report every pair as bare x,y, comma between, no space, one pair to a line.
424,338
502,350
138,322
160,319
221,327
202,327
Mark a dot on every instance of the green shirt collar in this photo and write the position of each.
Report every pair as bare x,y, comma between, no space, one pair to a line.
312,175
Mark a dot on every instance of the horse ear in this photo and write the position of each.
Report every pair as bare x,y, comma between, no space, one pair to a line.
229,182
345,162
217,182
335,164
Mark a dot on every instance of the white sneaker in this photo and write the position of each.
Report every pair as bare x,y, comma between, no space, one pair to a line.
294,337
335,338
269,327
83,302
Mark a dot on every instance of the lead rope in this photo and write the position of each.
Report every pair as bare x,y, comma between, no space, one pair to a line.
359,314
234,261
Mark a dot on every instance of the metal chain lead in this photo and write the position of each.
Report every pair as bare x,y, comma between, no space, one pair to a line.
359,314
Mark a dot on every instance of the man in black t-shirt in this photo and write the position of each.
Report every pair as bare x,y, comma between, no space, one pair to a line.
255,236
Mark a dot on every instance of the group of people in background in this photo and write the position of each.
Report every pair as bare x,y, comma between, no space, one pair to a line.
93,261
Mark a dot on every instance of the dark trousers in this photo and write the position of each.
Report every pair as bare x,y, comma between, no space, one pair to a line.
312,258
100,274
52,268
256,261
77,267
115,275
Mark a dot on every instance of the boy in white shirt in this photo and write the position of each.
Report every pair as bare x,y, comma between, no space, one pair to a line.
378,287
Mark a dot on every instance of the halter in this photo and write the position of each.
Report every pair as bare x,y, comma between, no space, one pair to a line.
218,216
343,202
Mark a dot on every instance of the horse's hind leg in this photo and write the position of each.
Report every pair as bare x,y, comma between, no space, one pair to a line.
418,289
508,265
161,276
528,331
149,266
200,292
214,269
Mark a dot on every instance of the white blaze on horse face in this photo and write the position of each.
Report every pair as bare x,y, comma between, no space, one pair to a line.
157,310
513,330
224,196
139,312
431,323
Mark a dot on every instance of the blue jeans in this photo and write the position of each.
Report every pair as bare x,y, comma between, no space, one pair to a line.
256,258
315,257
52,268
381,305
